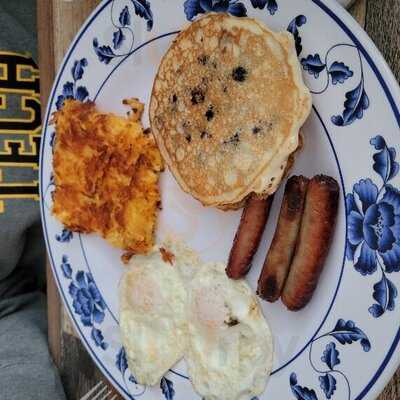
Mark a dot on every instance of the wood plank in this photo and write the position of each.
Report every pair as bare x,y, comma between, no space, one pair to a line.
359,10
66,323
70,15
78,371
46,49
392,390
53,316
47,71
383,26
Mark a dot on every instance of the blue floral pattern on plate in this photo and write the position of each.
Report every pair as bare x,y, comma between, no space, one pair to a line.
357,100
65,236
167,388
121,362
234,7
195,7
293,28
87,301
70,89
272,5
106,53
373,214
344,332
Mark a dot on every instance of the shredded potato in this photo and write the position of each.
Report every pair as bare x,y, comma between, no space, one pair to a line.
106,172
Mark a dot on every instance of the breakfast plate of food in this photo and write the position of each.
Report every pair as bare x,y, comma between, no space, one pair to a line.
220,199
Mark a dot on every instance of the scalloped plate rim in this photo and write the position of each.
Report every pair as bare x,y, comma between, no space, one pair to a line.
392,91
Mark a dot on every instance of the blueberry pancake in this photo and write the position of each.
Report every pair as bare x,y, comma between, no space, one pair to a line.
227,105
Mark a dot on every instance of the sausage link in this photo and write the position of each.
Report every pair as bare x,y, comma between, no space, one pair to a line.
279,257
315,236
248,236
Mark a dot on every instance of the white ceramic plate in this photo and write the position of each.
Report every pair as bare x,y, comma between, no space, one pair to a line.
343,345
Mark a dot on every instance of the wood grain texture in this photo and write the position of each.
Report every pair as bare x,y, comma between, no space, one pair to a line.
78,372
58,22
392,390
47,71
359,11
68,17
53,316
383,26
46,49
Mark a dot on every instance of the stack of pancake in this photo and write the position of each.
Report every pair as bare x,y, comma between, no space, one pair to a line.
226,109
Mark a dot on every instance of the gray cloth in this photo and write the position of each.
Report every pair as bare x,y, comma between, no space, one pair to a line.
18,26
26,369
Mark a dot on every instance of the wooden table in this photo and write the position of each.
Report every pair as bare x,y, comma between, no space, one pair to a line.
58,21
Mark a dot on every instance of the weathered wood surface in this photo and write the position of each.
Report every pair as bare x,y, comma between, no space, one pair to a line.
383,25
58,21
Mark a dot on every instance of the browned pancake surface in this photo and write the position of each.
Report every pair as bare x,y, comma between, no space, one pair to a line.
226,106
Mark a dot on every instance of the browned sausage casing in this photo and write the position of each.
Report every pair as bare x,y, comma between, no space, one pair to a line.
280,254
248,236
317,227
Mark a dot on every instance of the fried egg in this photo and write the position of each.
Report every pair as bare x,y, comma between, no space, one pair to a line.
174,306
152,315
230,348
186,259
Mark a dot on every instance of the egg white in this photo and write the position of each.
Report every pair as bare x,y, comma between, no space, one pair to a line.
195,311
152,316
230,348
